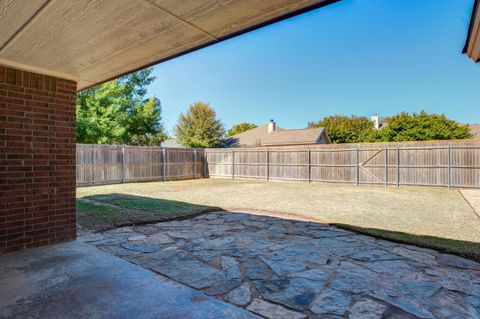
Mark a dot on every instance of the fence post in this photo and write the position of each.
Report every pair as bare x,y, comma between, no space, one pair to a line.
233,164
358,166
267,172
123,164
449,172
309,165
386,166
194,163
164,155
398,166
205,163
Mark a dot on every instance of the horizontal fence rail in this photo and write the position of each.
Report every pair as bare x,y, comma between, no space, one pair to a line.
449,164
111,164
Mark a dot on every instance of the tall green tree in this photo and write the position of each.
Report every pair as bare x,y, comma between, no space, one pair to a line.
240,128
199,127
119,112
422,127
144,124
347,129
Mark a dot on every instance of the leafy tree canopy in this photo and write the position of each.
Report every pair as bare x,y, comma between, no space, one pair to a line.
240,128
119,112
422,127
347,129
398,128
199,127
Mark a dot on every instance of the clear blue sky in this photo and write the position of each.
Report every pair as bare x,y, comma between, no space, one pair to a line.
358,57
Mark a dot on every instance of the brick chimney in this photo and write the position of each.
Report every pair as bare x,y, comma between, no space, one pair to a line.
376,121
271,126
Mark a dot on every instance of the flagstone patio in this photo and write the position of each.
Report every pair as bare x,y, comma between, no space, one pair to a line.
279,268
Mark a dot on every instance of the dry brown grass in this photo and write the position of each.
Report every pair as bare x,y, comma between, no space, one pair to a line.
417,211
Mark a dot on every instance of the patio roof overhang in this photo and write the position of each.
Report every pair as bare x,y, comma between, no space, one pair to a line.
91,42
472,45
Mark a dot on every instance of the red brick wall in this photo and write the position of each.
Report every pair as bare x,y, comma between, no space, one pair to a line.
37,159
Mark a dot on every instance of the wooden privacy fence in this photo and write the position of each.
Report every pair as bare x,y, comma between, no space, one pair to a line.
110,164
451,164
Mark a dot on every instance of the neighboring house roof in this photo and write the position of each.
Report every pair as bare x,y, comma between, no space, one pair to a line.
295,137
251,137
260,136
475,129
171,142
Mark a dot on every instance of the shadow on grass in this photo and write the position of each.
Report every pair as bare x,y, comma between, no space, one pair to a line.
106,211
461,248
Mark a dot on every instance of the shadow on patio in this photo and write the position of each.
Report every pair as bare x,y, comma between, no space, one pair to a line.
281,268
106,211
100,212
462,248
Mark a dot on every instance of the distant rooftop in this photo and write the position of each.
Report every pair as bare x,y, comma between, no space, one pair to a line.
171,142
271,135
475,129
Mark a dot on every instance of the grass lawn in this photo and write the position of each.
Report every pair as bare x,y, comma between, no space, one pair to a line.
430,217
101,212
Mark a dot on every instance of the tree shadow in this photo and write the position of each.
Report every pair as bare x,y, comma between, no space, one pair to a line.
106,211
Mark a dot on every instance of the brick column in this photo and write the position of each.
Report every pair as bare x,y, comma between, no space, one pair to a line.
37,159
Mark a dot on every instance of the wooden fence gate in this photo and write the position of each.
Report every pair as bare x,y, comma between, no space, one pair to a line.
426,164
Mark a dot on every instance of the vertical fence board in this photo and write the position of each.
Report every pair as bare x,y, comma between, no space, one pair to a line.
429,163
402,163
110,164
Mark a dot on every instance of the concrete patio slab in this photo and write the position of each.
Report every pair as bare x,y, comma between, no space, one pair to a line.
472,196
76,280
280,268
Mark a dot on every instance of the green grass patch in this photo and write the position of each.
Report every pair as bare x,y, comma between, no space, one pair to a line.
148,204
101,212
97,217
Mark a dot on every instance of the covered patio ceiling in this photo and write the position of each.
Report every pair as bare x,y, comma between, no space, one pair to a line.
472,46
91,41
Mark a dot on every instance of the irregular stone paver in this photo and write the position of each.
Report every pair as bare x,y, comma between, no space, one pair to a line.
367,309
141,248
272,311
410,304
422,257
292,269
254,268
316,275
452,305
390,267
231,268
331,301
457,262
281,265
374,255
185,234
296,293
191,272
158,239
474,301
241,295
222,287
137,238
351,277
